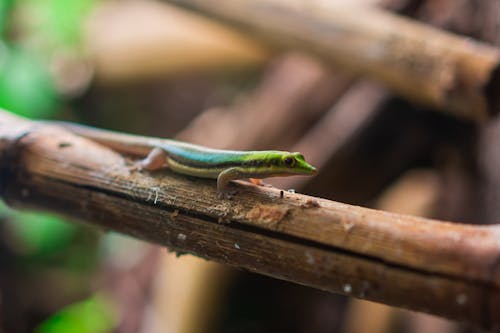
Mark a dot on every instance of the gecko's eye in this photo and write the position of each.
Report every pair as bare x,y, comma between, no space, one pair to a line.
289,161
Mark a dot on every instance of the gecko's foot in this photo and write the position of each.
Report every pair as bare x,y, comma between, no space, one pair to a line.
259,182
256,181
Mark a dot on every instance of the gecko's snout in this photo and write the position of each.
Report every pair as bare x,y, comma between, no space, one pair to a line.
313,171
308,169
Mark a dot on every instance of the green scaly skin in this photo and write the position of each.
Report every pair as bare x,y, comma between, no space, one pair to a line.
199,161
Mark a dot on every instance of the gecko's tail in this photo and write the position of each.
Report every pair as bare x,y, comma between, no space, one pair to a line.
126,143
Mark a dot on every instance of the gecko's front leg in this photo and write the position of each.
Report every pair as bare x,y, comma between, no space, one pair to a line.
226,176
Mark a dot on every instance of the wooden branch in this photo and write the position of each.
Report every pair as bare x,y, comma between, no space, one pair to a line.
163,41
292,95
442,268
342,125
425,64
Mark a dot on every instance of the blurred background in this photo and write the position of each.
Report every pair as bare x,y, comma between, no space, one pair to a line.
147,67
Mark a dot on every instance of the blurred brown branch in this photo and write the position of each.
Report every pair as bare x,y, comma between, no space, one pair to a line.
422,63
164,41
437,267
293,94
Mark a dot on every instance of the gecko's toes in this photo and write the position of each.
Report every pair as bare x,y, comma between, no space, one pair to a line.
256,181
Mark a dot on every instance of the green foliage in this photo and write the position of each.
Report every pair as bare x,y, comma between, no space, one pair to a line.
42,233
46,28
5,6
37,234
25,84
93,315
43,241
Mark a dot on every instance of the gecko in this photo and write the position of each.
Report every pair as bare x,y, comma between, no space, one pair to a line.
196,160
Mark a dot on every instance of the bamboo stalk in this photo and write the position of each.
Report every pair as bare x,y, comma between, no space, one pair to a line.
163,41
426,265
424,64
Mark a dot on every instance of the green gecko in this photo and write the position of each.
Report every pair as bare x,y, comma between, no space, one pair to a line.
194,160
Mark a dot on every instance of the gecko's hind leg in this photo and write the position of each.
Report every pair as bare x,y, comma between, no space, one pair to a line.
156,159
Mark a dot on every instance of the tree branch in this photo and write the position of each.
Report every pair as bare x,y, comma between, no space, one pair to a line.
425,64
438,267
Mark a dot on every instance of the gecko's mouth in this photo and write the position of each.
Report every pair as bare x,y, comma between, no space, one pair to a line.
308,169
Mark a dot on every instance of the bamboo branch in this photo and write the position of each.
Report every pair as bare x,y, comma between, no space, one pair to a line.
442,268
424,64
163,41
343,125
293,94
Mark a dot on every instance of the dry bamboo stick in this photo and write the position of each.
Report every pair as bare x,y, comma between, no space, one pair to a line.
293,93
424,64
437,267
340,124
163,41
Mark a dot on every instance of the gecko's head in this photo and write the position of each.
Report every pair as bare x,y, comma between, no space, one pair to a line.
295,163
280,163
